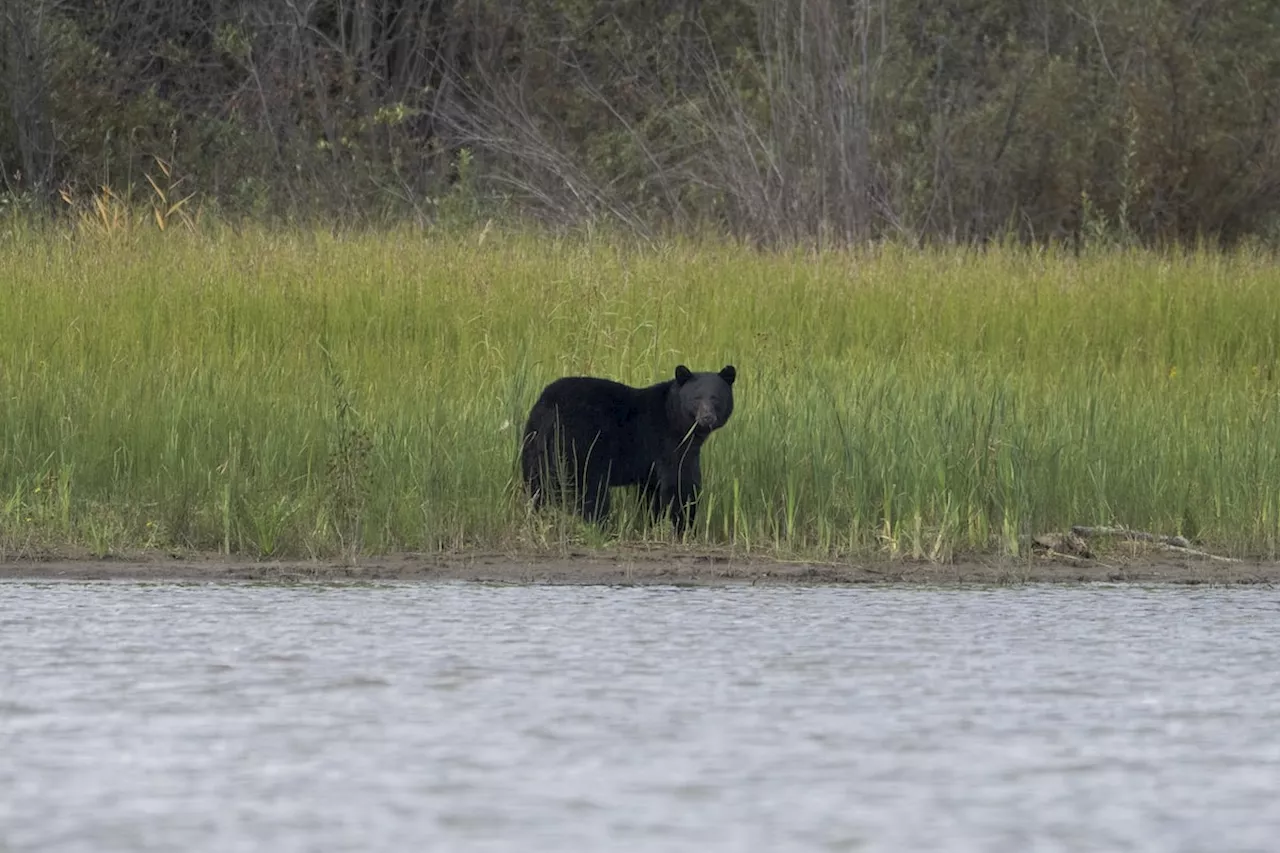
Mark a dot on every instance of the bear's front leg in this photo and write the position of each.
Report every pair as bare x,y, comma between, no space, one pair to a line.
654,494
683,510
682,499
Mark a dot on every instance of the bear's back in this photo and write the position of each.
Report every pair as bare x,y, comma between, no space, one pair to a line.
571,388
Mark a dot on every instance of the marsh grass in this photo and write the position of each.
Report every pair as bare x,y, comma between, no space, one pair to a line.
279,392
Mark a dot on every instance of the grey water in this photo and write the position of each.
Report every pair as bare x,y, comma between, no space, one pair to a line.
461,717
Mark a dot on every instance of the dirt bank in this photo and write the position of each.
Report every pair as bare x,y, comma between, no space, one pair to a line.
657,566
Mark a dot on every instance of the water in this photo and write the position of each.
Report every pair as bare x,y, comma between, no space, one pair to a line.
465,717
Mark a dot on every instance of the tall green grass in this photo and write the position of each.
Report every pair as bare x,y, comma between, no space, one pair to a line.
285,392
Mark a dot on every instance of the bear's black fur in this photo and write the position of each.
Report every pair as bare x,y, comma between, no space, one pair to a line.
609,434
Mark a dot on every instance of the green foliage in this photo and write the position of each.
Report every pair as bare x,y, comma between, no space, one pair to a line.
779,121
318,392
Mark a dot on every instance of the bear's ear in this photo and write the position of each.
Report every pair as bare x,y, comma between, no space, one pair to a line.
729,374
683,375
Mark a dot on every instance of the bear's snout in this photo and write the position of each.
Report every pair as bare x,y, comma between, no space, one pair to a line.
706,417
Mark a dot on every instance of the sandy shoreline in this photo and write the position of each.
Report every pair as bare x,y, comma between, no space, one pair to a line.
648,567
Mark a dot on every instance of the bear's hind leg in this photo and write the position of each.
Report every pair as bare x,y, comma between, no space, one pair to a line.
538,468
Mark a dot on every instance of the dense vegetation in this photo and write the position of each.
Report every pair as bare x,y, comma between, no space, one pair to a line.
284,277
1130,120
261,390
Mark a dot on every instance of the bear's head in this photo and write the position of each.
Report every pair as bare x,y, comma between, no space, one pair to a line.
701,402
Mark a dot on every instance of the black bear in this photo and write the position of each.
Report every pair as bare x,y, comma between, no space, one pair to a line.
586,435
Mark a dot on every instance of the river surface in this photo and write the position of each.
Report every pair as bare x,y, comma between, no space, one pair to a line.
459,717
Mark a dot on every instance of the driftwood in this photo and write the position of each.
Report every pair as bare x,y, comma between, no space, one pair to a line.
1169,543
1075,546
1063,545
1126,533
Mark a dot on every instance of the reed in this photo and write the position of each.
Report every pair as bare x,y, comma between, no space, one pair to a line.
276,391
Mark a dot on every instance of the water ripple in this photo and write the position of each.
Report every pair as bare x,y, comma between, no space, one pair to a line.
467,717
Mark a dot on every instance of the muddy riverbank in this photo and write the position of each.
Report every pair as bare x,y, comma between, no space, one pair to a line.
649,566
